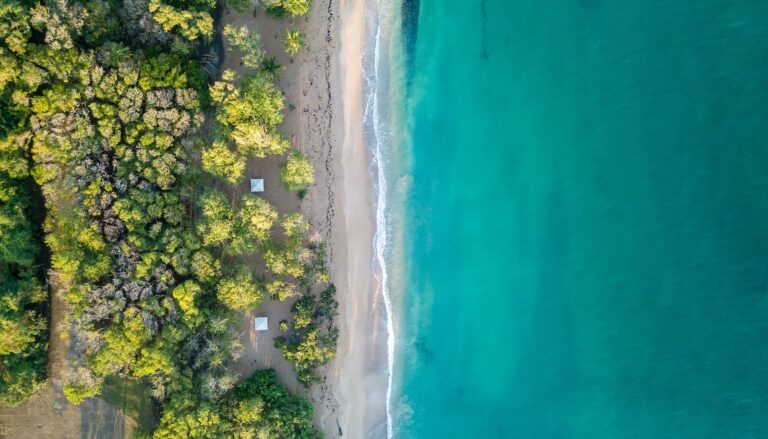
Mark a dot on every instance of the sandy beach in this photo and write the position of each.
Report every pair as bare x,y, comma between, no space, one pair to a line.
323,88
355,392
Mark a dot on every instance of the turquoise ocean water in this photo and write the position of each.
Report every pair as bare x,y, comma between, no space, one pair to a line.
579,190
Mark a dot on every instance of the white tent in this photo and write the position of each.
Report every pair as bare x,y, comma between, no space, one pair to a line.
257,185
260,324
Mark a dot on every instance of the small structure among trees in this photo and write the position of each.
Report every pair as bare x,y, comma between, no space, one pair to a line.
257,185
261,324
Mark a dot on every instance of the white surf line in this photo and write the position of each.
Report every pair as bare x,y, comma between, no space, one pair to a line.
381,238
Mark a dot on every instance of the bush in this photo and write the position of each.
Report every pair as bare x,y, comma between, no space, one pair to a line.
282,7
296,173
77,394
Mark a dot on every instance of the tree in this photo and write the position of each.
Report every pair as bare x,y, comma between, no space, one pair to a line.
251,114
281,290
218,225
296,173
23,327
108,133
185,295
257,217
270,66
190,24
246,42
294,42
239,291
222,162
205,267
293,7
313,339
257,407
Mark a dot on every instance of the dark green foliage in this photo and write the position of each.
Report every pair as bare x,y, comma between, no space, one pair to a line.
240,5
258,407
271,67
23,326
23,323
312,341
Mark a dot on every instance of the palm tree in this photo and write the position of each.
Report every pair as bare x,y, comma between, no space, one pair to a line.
271,67
117,53
294,41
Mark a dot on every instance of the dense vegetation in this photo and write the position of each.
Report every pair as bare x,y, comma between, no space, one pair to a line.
284,7
23,326
23,295
106,106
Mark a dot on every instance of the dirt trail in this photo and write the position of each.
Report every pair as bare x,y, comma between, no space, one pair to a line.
48,414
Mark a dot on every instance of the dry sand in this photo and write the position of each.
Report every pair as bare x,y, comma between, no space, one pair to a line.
325,84
352,404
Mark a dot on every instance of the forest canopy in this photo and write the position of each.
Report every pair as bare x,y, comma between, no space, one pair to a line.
113,121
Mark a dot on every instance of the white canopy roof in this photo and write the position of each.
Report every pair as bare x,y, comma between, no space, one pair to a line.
260,324
257,185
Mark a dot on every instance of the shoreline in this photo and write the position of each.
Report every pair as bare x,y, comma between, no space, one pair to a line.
352,400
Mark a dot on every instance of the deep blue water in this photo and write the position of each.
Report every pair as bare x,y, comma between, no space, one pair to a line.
585,226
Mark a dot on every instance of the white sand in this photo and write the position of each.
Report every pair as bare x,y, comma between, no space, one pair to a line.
356,381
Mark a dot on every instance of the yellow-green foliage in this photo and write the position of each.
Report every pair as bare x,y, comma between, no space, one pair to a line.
250,114
239,291
247,42
238,232
296,173
257,216
205,267
312,338
222,162
192,25
293,7
281,290
109,133
185,295
78,393
294,41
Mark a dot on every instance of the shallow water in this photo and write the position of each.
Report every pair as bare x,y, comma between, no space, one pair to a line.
585,221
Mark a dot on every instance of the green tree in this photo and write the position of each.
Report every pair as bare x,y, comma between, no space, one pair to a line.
247,43
296,173
205,267
218,225
239,291
186,295
293,7
23,327
270,67
222,162
77,394
191,24
281,290
257,217
312,339
250,114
